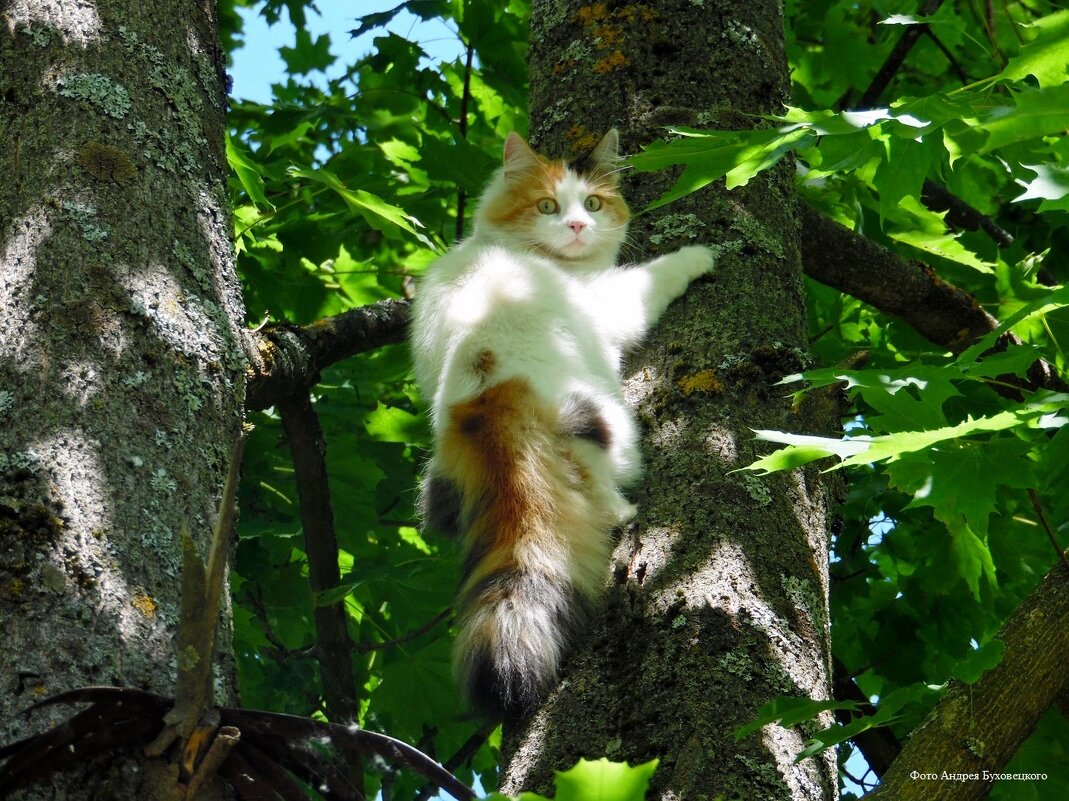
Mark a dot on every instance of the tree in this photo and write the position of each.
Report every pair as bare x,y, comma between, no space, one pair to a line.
121,346
912,130
719,598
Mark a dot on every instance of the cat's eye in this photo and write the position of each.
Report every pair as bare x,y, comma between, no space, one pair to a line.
548,206
592,203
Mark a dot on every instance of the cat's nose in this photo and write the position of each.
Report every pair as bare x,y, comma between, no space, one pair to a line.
577,226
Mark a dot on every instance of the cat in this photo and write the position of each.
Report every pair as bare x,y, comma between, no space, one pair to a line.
517,336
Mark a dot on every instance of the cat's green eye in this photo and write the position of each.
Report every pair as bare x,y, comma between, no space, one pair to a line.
592,203
548,206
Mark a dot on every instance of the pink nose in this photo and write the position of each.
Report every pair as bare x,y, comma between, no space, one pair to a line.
577,226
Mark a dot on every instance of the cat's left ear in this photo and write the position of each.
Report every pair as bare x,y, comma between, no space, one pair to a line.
607,152
518,156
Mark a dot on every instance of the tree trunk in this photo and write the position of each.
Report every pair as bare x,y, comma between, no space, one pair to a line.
121,356
718,600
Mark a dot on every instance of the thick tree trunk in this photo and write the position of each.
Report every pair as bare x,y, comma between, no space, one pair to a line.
121,356
719,594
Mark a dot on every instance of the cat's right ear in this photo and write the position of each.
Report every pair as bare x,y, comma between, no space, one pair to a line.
518,155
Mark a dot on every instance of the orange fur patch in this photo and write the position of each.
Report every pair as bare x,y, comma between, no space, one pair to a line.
489,450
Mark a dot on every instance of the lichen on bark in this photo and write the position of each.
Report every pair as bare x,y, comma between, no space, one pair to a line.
122,364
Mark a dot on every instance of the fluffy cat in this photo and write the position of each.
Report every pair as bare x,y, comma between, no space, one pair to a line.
517,335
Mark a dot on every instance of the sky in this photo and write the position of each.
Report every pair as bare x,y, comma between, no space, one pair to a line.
257,65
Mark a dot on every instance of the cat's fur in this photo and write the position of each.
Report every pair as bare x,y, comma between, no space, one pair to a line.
518,334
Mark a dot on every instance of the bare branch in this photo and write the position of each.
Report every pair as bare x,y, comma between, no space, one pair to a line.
408,636
961,215
333,646
290,357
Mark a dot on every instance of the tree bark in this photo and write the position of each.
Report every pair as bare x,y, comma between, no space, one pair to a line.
121,345
718,600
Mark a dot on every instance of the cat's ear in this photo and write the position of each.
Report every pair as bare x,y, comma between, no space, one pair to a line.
518,155
607,152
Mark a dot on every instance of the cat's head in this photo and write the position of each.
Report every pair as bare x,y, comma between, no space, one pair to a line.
569,211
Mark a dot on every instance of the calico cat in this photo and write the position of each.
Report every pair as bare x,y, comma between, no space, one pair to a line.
517,337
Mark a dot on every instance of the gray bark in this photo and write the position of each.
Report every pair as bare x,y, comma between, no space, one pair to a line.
121,356
719,594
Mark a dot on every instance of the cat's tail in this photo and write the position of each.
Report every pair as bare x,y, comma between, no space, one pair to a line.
536,545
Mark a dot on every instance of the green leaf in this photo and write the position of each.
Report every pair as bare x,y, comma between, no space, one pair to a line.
377,212
1046,57
972,557
709,156
960,481
247,171
602,780
1037,113
789,711
1046,414
1051,184
390,424
306,55
979,661
903,171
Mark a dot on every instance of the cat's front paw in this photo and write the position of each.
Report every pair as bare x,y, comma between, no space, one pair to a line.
693,260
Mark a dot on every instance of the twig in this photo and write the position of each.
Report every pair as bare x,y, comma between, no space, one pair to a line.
463,755
364,647
961,215
897,55
465,98
1034,497
202,588
962,75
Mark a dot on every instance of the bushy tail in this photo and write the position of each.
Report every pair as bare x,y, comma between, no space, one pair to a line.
536,547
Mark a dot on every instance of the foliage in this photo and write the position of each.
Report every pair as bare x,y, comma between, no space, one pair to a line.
344,188
600,780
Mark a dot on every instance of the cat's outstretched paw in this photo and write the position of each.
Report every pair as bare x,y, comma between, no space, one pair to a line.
693,260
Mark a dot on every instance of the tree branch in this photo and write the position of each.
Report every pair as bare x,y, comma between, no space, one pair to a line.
333,646
834,255
897,55
961,215
879,745
979,727
942,313
290,357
